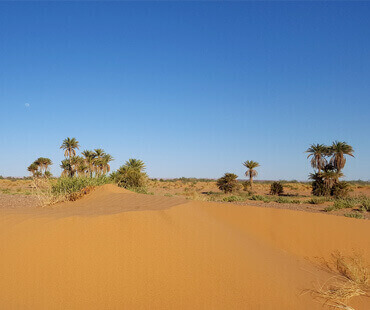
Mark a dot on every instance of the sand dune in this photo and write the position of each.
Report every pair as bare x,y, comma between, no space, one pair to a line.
169,254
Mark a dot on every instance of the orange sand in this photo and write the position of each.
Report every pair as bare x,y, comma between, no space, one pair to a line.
167,255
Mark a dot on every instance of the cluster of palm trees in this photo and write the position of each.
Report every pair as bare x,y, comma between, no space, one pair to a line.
40,167
92,163
327,162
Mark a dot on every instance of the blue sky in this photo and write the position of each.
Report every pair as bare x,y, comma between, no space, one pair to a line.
191,88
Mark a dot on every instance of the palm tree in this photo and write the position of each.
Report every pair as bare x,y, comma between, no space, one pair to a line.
318,153
135,164
338,150
251,172
67,168
33,168
89,160
43,163
69,146
107,158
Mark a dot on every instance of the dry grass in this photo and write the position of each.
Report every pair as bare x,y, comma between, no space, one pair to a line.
350,279
43,190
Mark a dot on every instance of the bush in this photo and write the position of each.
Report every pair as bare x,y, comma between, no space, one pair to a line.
246,186
365,204
344,203
340,190
316,201
261,198
282,200
69,187
232,198
276,188
354,215
319,188
228,183
131,175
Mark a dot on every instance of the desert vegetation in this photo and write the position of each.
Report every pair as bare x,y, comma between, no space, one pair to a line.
131,175
349,278
328,162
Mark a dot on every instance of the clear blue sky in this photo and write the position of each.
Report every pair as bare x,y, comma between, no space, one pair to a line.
191,88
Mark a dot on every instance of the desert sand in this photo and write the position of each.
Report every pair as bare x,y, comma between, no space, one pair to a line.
115,249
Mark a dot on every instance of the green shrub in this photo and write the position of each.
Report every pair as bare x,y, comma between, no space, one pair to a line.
283,200
344,203
66,186
261,198
365,204
228,183
232,198
131,175
340,190
317,200
276,188
354,215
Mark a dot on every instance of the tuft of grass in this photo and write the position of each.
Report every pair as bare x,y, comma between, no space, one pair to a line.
362,203
140,190
351,279
232,198
283,200
317,200
354,215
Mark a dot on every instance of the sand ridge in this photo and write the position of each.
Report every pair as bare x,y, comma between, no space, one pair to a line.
193,255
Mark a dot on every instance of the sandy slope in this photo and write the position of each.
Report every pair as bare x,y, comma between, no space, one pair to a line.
166,255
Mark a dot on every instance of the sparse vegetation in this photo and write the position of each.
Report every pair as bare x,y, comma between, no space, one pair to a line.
350,279
354,215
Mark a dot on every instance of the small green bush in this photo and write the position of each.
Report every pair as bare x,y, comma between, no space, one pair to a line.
340,190
354,215
365,204
131,175
228,183
232,198
261,198
283,200
276,188
317,200
344,204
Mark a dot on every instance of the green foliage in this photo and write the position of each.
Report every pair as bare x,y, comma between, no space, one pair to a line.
232,198
67,186
365,204
344,204
355,215
276,188
317,200
261,198
340,190
283,200
228,183
319,187
131,175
